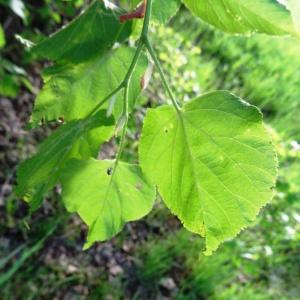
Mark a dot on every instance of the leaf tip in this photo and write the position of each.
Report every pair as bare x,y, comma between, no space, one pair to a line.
87,246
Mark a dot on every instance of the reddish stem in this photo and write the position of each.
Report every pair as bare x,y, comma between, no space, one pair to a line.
138,13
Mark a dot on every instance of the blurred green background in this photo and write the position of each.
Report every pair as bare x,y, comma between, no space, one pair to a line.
41,255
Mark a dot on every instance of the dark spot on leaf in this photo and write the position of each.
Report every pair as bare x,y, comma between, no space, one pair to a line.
142,83
166,130
109,171
139,186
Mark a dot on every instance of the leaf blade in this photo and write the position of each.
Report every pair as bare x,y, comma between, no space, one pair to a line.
73,92
164,10
94,31
107,205
78,139
246,17
200,169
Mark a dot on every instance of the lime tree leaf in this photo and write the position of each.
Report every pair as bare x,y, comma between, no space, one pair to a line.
214,164
104,199
164,10
94,32
77,139
244,16
72,93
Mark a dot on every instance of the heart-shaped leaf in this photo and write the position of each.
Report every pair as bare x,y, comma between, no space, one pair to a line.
213,163
106,198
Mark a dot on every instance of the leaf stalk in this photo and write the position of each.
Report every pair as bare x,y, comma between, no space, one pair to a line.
161,73
143,42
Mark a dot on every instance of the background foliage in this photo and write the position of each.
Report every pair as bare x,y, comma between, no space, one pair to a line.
153,258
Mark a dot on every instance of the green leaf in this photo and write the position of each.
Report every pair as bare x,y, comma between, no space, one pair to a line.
9,85
2,37
214,164
103,199
244,16
94,32
164,10
72,93
77,139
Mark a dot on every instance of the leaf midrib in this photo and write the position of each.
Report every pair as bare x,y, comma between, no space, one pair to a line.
180,116
199,187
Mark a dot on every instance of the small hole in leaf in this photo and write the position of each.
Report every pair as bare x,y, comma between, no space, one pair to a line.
109,171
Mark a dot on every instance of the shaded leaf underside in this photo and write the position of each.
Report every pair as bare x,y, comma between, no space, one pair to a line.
78,139
91,34
72,93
